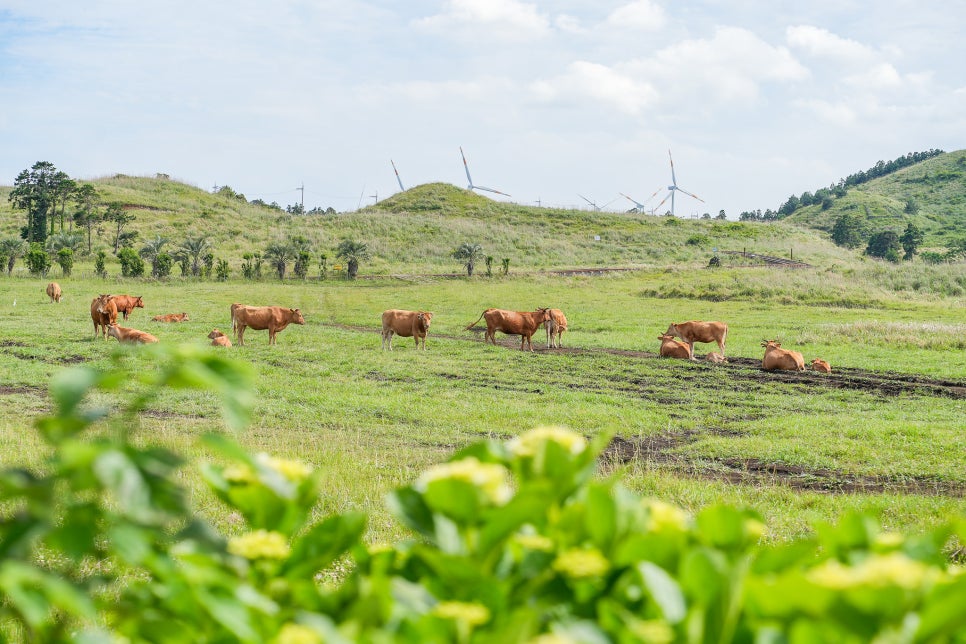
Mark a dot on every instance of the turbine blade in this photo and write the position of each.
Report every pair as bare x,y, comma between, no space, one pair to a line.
632,200
397,175
673,180
467,168
670,194
691,195
490,190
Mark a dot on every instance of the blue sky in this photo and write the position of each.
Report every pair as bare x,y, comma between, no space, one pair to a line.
757,100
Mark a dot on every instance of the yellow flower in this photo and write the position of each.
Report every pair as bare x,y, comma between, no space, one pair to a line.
297,634
471,613
529,443
754,528
534,542
578,563
893,569
294,471
888,541
260,544
666,517
491,478
238,474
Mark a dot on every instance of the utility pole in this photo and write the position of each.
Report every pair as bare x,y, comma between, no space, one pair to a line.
302,188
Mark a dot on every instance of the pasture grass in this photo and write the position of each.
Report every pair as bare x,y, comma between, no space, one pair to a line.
371,420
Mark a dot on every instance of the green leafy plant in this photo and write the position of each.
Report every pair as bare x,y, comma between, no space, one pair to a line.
65,259
131,263
223,270
512,541
100,264
37,259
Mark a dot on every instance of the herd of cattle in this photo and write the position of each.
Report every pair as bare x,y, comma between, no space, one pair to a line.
415,324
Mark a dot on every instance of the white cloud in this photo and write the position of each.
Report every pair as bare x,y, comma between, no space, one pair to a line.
640,14
584,80
837,114
510,19
882,76
821,43
729,67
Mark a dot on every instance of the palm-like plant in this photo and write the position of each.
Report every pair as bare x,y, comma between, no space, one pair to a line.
352,252
12,249
278,255
193,249
468,254
57,241
152,249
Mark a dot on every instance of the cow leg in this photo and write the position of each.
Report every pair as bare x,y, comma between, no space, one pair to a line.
240,334
271,336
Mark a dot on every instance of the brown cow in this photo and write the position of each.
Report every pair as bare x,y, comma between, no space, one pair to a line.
715,358
127,303
698,331
782,359
406,324
132,336
273,318
556,326
219,339
671,348
103,313
53,292
171,317
522,323
821,366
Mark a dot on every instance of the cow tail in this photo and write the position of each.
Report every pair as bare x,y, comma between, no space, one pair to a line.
477,321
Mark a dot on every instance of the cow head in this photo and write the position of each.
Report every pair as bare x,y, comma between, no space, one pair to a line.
139,303
672,330
771,344
112,331
425,319
184,317
665,337
544,313
297,316
215,333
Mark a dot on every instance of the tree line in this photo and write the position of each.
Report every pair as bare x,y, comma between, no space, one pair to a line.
826,196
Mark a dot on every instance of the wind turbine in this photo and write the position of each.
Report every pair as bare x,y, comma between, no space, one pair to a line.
397,175
470,179
674,188
638,206
594,205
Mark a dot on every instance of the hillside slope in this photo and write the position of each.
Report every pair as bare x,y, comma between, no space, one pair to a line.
417,230
936,187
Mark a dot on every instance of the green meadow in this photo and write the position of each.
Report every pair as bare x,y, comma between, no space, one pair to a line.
883,433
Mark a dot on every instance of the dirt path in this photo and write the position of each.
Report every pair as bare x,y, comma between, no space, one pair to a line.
885,383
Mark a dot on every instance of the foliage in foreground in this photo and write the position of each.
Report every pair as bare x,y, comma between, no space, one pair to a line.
514,541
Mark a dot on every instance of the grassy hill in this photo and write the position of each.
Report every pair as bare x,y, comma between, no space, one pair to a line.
937,186
416,231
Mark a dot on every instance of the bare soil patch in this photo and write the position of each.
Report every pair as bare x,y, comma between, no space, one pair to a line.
660,449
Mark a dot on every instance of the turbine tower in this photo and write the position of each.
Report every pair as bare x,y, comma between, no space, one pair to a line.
674,188
470,179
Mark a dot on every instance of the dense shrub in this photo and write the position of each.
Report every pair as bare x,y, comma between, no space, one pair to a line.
131,263
513,541
65,258
100,264
37,259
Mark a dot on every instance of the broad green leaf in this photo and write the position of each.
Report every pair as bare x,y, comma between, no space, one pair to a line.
323,544
407,505
664,590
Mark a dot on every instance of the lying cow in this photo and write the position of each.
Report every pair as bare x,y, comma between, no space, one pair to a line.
522,323
273,318
53,292
777,358
556,326
219,339
127,303
171,317
131,336
671,348
103,313
406,324
698,331
821,366
715,358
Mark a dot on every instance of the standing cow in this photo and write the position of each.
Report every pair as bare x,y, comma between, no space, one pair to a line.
406,324
781,359
53,292
273,318
556,326
522,323
698,331
127,303
103,313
